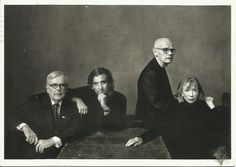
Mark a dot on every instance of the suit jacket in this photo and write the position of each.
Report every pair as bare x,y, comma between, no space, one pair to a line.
37,113
154,94
116,119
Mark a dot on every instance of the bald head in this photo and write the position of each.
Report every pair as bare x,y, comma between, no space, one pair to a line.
163,51
163,43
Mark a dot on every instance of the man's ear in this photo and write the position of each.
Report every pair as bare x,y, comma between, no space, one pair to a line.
154,51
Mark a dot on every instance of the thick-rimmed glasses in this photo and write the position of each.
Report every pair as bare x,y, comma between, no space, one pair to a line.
54,85
166,50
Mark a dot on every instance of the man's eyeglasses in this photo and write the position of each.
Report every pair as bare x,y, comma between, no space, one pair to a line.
166,50
54,86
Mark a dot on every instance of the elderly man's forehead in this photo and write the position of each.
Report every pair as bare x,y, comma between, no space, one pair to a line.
163,42
63,77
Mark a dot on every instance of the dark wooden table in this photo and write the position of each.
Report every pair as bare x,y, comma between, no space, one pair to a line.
111,145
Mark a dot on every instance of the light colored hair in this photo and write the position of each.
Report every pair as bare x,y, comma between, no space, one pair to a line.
191,80
55,74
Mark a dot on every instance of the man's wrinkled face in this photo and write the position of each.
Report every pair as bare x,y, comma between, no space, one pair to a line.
100,85
164,51
56,88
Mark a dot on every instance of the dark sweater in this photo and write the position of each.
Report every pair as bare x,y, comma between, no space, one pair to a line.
191,132
96,120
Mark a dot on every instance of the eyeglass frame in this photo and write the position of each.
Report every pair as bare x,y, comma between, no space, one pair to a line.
166,50
55,85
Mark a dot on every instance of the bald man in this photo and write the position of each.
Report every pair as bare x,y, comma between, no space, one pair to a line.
154,90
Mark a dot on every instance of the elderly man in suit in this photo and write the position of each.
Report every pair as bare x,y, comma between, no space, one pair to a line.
45,121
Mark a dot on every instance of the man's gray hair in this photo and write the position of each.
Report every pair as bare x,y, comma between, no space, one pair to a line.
55,74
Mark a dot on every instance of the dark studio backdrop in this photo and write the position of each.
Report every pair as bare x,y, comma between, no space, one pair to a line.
76,39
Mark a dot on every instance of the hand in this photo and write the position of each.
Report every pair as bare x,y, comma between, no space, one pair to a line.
180,99
137,141
209,102
102,98
43,144
106,113
82,108
31,137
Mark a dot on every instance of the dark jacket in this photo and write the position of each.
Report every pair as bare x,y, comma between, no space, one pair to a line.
96,120
154,93
37,113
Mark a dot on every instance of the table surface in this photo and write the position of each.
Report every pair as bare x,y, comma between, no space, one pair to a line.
111,145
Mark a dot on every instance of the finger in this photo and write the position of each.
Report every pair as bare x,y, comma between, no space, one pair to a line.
86,110
136,144
36,140
27,137
31,139
129,143
37,148
82,111
41,149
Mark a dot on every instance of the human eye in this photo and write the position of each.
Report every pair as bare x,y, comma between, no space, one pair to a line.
165,49
54,85
95,83
186,90
63,85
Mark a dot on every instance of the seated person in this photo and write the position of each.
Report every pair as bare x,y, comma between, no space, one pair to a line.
40,126
106,107
193,130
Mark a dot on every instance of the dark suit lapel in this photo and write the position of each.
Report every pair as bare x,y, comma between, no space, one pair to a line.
64,114
48,114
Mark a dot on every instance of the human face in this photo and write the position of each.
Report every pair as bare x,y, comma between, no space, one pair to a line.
100,85
56,88
164,51
190,93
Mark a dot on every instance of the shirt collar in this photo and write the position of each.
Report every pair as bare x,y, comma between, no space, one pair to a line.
52,102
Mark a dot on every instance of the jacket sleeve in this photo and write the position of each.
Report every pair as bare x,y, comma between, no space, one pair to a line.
72,129
19,115
149,135
116,119
152,90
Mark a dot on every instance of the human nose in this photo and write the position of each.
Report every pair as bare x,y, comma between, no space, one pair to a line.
191,93
58,87
169,52
99,86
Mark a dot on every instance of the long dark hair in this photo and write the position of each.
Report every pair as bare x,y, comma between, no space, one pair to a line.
99,71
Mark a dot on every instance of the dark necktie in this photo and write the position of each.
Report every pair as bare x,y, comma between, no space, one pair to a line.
55,112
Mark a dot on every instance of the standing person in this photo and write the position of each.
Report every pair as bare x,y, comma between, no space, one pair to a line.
43,124
106,107
196,125
154,90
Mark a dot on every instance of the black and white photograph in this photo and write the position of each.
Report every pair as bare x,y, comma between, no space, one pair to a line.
134,83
